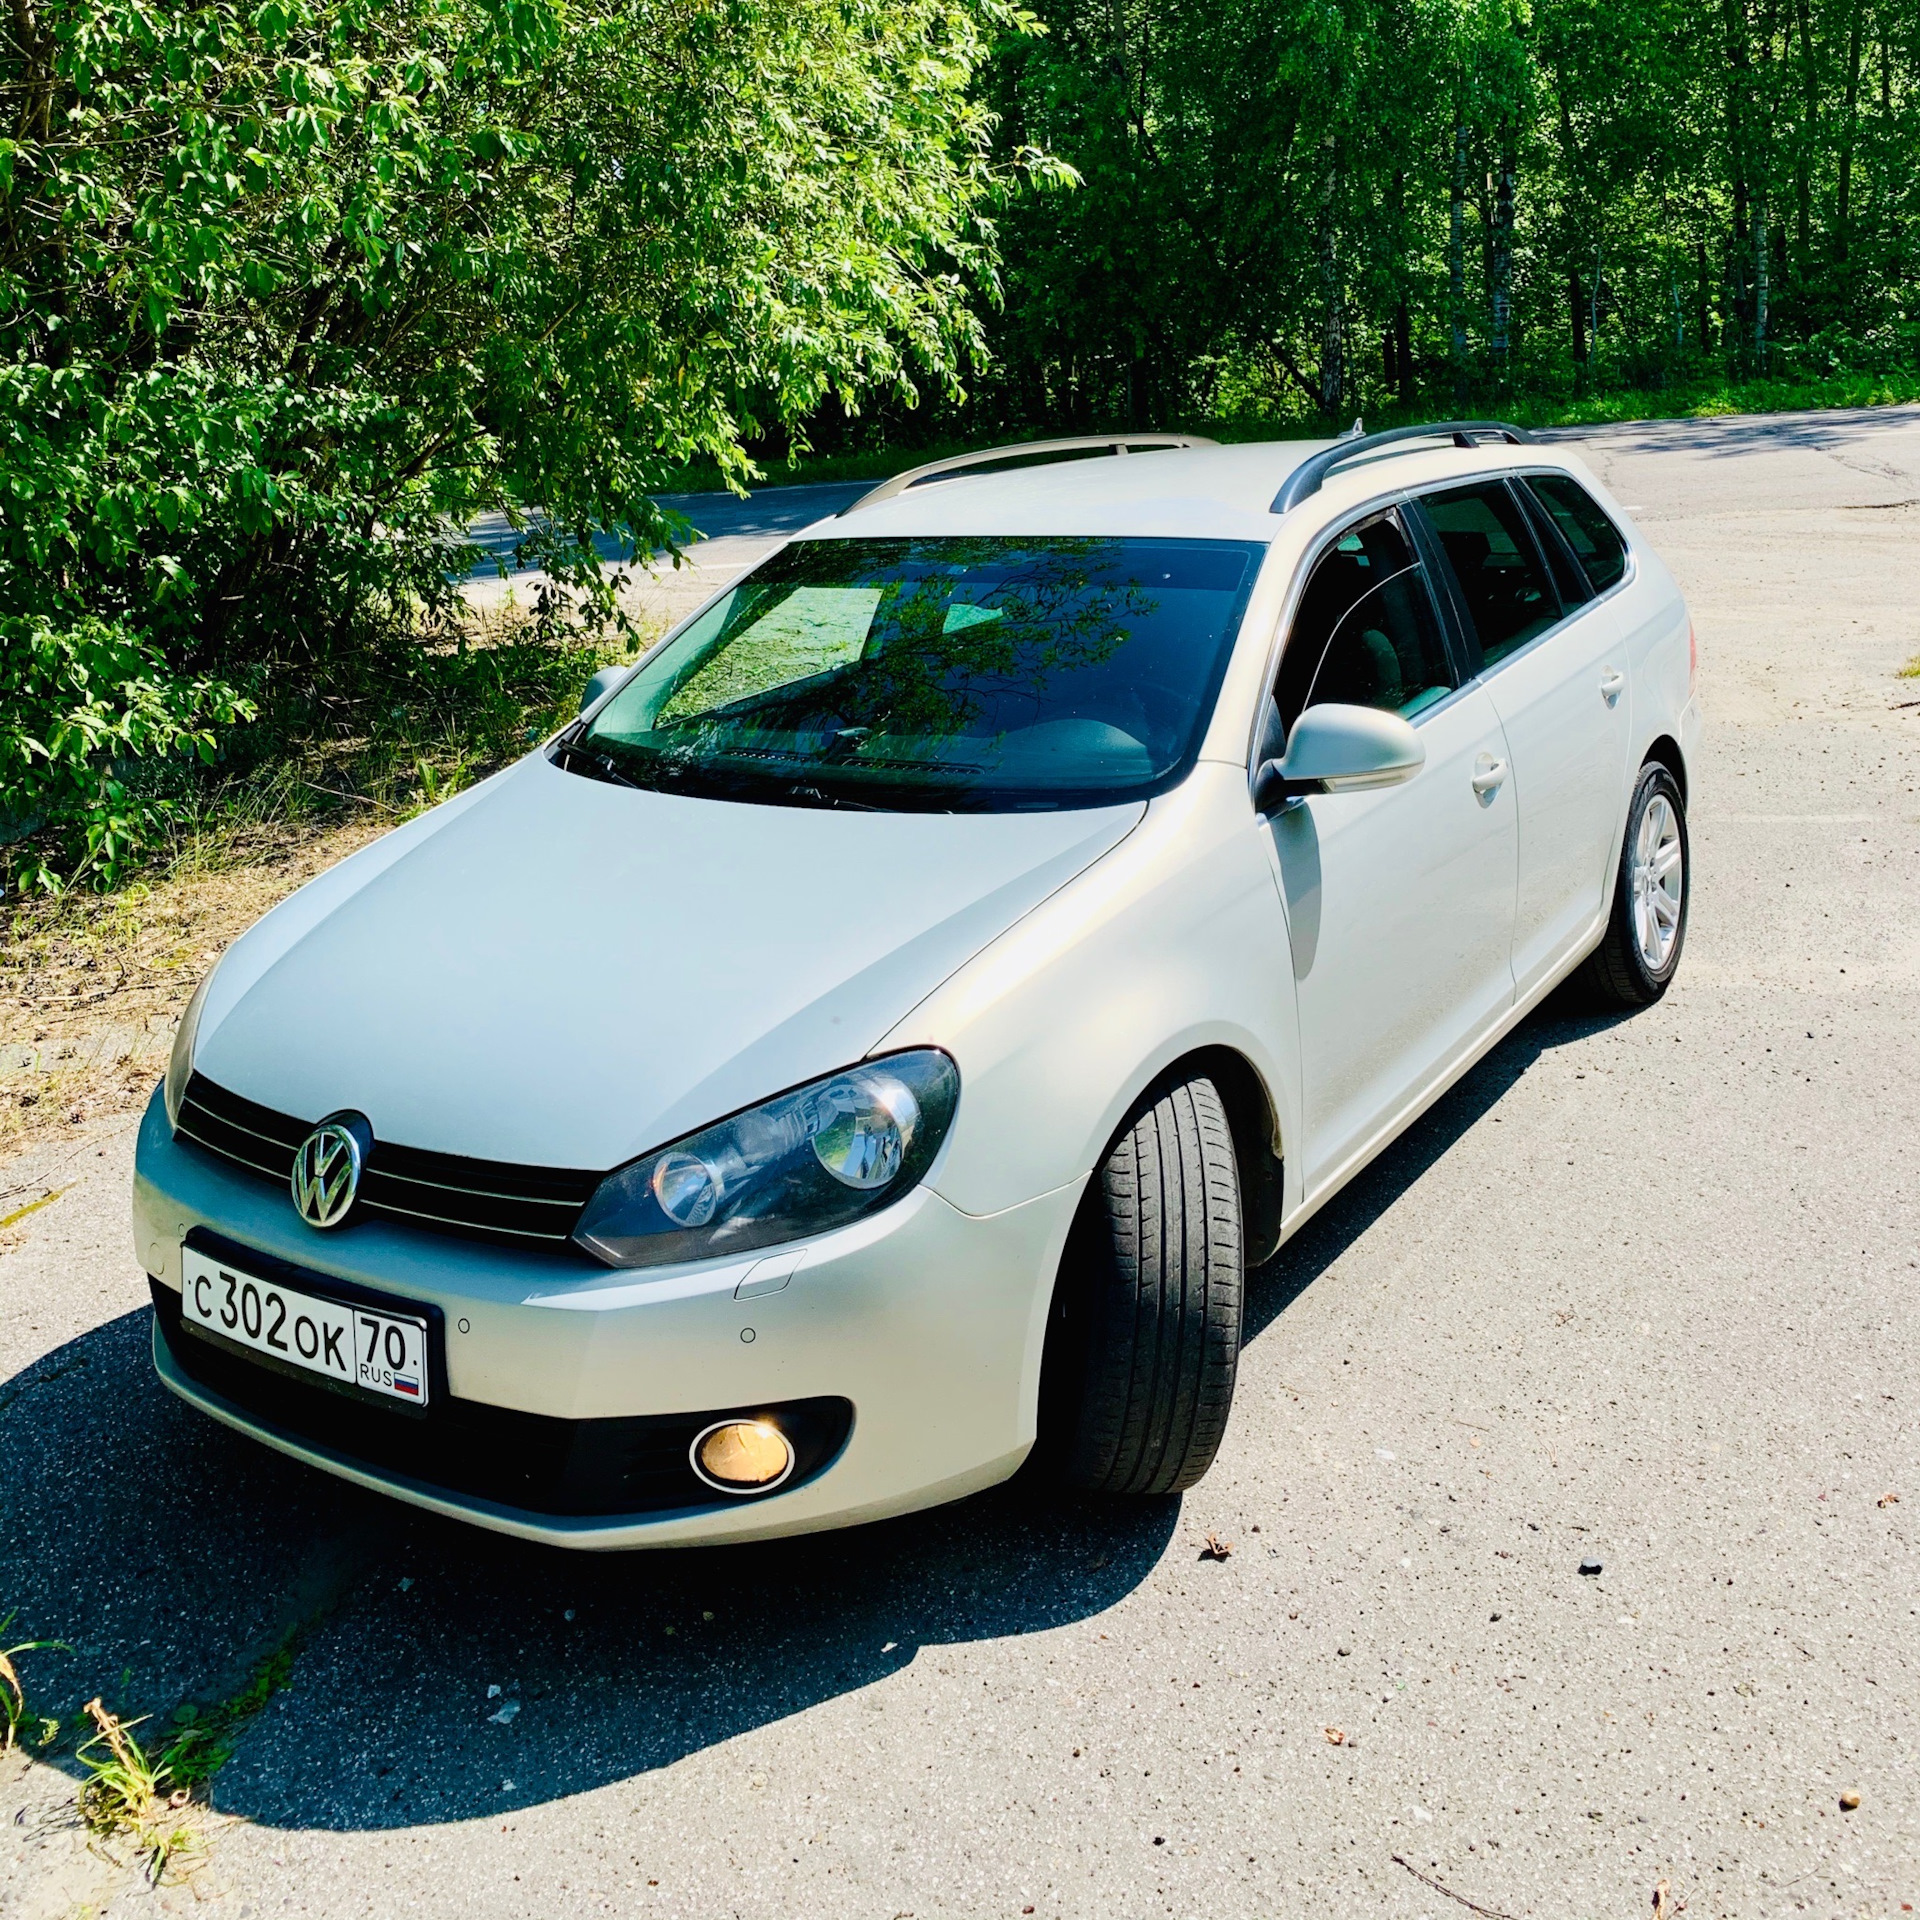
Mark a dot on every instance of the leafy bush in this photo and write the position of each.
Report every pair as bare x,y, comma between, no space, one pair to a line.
78,707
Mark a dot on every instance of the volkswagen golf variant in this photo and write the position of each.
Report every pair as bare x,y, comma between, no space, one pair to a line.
862,1055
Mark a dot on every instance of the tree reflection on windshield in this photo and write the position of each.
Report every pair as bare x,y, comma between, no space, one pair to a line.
936,673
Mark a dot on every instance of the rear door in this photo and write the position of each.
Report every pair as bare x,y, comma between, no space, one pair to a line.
1399,901
1552,660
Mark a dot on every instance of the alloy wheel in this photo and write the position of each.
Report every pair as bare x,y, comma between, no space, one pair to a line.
1659,883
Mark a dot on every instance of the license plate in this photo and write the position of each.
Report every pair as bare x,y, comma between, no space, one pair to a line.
365,1347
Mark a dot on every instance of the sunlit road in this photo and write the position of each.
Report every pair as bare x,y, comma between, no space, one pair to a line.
1642,1292
725,536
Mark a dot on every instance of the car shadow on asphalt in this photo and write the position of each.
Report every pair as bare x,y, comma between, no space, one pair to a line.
442,1673
1818,431
1561,1020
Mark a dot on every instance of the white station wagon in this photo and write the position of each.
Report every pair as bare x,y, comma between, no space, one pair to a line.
864,1053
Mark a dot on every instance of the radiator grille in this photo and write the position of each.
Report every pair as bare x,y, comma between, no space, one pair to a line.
439,1192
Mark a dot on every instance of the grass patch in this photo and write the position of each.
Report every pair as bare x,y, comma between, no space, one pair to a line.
92,984
150,1793
16,1711
131,1793
1714,399
1911,671
1693,400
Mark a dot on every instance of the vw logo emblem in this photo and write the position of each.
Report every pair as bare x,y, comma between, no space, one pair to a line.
326,1170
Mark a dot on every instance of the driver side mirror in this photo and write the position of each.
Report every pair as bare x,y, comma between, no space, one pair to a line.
604,682
1339,749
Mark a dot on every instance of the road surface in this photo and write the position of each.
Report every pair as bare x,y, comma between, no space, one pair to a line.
1640,1291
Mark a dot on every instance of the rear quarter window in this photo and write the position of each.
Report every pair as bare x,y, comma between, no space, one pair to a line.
1594,538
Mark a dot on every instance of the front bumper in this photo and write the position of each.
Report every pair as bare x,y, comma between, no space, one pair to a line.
929,1321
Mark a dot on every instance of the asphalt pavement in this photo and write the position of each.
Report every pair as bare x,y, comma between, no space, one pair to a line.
724,536
1639,1292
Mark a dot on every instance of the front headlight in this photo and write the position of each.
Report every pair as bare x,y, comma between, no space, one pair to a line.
180,1061
813,1159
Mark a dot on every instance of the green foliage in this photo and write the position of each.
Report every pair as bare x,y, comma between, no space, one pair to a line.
1303,211
79,706
290,291
204,1736
132,1791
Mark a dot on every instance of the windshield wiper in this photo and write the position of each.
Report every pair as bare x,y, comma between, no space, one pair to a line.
820,797
595,766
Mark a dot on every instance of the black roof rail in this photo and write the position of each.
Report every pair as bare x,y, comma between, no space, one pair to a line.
1307,477
1022,450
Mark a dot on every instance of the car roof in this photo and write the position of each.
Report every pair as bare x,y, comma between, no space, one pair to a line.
1208,492
1198,492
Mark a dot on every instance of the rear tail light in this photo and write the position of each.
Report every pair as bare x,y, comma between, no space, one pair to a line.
1693,656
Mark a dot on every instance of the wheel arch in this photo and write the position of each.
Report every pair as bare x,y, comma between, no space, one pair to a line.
1257,1146
1254,1120
1666,750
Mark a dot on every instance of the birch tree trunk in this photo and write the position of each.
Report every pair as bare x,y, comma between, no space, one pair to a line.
1399,337
1333,335
1702,299
1502,263
1457,257
1760,269
1843,191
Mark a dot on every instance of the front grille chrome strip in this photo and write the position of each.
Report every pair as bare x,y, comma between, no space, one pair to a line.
226,1153
439,1193
240,1126
385,1174
546,1238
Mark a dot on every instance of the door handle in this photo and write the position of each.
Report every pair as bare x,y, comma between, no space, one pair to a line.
1488,775
1612,683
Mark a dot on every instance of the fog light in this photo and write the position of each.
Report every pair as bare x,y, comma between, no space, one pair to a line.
742,1456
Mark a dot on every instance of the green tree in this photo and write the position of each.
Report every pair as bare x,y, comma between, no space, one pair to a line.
291,289
1313,208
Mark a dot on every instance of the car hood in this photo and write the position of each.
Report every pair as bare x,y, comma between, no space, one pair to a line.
558,972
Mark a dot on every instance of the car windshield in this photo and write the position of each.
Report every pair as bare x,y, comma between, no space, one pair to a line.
943,674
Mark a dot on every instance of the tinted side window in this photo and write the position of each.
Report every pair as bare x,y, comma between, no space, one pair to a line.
1491,549
1593,537
1575,589
1366,632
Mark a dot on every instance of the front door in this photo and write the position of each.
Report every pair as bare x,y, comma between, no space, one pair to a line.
1399,901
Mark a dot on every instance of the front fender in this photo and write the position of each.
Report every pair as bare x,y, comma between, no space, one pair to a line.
1174,942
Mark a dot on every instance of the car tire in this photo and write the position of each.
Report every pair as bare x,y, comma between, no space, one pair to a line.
1144,1337
1640,951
